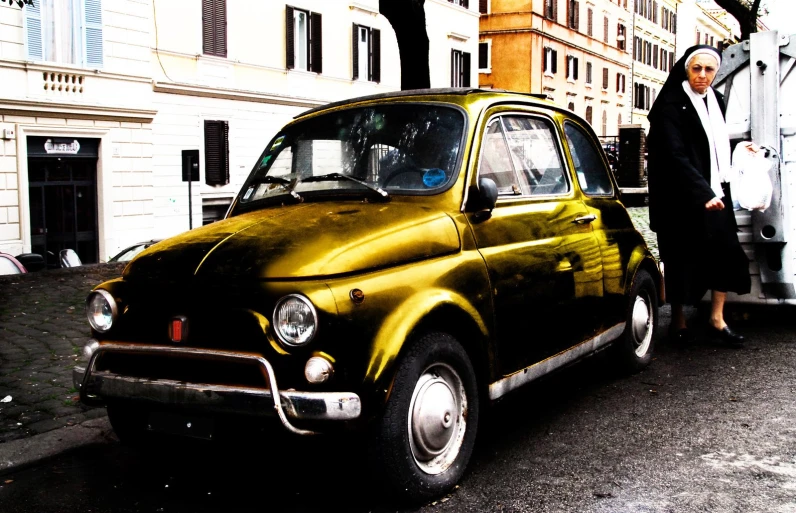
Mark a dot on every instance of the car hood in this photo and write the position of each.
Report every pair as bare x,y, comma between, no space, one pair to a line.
302,241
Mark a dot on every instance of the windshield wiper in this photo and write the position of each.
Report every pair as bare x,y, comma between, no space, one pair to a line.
339,176
285,183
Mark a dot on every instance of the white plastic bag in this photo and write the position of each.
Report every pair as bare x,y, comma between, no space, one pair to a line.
752,188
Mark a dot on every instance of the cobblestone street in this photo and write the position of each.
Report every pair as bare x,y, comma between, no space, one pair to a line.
641,220
43,329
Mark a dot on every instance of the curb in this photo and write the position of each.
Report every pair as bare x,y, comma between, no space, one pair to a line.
25,451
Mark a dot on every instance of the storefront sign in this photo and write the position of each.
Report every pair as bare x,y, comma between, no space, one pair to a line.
60,147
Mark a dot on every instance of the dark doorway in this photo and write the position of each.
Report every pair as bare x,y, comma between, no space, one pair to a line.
63,206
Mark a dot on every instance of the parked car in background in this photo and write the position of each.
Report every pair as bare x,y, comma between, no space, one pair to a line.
130,252
391,265
10,265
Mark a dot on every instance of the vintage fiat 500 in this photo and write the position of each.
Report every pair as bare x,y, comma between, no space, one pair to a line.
392,264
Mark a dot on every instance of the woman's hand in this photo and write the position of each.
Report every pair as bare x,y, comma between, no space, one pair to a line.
714,204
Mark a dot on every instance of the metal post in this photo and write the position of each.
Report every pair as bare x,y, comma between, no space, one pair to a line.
771,229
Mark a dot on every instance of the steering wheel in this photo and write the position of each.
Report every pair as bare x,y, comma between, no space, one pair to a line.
401,171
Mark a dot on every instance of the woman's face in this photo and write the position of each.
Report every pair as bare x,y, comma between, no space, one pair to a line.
701,71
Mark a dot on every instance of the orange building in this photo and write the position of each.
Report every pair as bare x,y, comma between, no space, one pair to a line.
575,51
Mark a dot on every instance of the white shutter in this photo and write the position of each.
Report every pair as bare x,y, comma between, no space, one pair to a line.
33,38
94,52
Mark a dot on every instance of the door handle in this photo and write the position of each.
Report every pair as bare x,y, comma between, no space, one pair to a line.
585,219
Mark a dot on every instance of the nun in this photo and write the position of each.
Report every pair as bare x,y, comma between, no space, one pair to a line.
690,201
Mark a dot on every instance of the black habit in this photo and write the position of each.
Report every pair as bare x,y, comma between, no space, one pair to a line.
699,248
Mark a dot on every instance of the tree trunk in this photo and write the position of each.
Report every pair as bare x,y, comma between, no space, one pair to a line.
745,13
408,19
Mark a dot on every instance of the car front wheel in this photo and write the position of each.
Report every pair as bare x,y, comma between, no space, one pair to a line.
423,440
635,346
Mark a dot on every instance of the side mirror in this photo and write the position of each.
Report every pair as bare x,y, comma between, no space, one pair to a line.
69,258
483,198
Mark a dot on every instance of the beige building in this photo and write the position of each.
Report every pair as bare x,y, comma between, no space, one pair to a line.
574,51
101,98
701,23
655,26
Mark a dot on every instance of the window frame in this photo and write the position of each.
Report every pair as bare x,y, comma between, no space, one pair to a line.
591,137
92,46
557,142
488,68
314,40
373,57
463,61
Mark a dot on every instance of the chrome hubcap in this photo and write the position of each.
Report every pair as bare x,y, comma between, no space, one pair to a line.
642,325
437,418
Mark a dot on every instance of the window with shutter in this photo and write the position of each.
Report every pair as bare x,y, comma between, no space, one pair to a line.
214,27
93,28
460,69
484,51
65,32
216,152
33,37
483,6
605,29
588,72
605,78
589,114
590,22
366,48
303,40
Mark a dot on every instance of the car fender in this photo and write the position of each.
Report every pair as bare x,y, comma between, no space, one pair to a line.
399,326
641,258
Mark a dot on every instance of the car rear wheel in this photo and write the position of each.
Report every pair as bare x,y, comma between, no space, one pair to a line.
423,440
635,346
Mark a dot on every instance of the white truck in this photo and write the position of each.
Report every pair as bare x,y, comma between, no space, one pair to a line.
759,85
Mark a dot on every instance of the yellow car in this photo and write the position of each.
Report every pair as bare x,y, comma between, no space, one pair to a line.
391,265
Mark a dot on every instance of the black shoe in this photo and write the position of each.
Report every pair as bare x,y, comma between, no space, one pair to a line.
680,337
727,336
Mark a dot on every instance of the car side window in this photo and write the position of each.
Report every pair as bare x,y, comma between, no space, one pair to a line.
496,161
521,156
590,169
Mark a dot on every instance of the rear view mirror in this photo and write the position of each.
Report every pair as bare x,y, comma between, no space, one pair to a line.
483,198
69,258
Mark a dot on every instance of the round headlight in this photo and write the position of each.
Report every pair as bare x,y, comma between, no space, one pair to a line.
101,310
295,320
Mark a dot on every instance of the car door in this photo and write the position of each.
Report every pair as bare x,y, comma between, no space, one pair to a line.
543,260
614,231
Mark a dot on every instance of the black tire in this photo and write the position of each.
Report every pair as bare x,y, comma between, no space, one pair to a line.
416,463
635,347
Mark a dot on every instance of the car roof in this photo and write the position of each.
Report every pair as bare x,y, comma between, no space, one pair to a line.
541,99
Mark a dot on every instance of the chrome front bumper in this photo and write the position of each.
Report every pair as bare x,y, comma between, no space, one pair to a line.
97,387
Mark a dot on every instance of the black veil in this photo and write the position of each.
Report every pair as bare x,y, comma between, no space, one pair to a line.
676,77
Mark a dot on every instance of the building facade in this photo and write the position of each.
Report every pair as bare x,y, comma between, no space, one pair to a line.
104,100
701,23
574,51
655,28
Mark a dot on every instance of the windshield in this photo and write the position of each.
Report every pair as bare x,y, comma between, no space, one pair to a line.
380,150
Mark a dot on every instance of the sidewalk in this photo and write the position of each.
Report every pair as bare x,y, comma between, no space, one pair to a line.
43,329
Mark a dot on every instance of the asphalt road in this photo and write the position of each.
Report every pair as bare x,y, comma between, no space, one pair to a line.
704,429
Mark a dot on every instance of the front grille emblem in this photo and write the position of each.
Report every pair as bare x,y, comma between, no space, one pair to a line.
178,329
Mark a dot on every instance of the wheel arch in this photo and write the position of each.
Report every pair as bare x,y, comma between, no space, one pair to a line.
643,259
441,311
